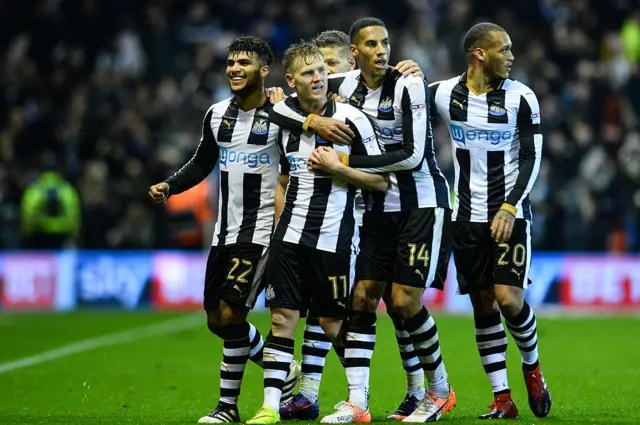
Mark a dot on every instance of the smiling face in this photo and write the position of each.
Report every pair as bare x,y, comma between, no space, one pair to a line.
372,50
245,73
308,76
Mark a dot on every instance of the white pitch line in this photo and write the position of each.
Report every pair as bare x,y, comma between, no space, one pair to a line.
144,332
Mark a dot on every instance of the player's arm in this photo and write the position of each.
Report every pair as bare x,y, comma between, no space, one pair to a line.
365,143
286,115
433,106
530,152
283,181
195,170
281,189
415,130
331,164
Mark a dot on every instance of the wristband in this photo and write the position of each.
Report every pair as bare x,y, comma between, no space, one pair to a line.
305,125
509,208
344,158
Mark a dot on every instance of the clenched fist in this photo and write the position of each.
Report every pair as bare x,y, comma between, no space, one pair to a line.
159,193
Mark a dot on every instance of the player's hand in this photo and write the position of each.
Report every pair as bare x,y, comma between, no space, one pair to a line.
159,193
331,130
409,67
324,159
502,226
275,94
336,97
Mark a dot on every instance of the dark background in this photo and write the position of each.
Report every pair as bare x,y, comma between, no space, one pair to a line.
115,91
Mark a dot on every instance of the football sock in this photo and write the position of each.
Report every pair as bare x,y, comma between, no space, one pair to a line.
424,335
278,354
359,345
523,330
492,346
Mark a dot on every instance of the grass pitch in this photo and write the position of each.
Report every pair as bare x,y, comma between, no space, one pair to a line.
155,373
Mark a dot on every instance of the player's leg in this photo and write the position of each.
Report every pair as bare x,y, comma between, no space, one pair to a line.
410,363
511,269
373,269
327,278
472,254
315,347
491,340
421,236
331,299
230,277
285,296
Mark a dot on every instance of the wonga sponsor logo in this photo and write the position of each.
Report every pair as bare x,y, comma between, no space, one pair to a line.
462,136
30,281
387,132
253,160
297,164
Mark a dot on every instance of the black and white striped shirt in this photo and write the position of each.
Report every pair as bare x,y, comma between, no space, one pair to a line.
399,111
497,145
245,145
319,209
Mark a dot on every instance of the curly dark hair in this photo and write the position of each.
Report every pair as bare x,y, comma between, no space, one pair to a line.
255,45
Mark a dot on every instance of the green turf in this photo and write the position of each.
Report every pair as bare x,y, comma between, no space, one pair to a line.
591,366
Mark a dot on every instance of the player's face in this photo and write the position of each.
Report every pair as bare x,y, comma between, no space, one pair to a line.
309,77
500,58
244,72
373,50
336,60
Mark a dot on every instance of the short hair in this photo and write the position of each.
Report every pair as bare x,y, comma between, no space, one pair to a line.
252,44
301,51
479,35
332,38
354,31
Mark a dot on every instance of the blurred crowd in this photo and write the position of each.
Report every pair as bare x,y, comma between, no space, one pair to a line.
110,96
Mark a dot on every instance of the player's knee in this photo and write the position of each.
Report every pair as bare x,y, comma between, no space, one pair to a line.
406,301
510,299
359,298
283,322
331,327
214,322
366,295
484,302
232,314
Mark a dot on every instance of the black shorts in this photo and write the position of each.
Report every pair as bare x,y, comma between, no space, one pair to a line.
408,247
355,247
234,274
481,261
299,277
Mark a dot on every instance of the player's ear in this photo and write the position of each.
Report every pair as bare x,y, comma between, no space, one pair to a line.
352,63
479,54
264,71
354,50
290,80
